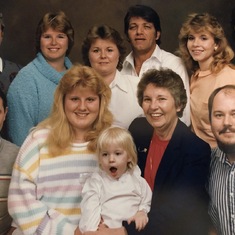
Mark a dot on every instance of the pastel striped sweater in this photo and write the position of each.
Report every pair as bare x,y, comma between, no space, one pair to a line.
45,192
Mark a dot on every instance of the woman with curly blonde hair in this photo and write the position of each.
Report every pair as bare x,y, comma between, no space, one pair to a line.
207,55
62,130
58,156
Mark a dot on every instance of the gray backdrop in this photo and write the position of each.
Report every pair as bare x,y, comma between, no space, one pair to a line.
22,16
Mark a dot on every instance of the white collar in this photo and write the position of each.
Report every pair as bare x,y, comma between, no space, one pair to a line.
1,65
119,81
157,53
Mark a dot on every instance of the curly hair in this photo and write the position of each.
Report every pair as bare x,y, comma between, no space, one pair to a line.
103,32
204,23
165,78
61,132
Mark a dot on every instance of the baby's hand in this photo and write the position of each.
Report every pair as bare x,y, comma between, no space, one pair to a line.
140,219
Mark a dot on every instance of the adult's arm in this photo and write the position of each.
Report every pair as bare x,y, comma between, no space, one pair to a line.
22,98
104,231
24,204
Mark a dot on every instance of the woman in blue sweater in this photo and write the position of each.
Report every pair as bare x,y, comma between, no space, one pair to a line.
30,95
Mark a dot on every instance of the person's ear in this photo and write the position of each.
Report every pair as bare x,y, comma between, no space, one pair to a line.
158,34
178,108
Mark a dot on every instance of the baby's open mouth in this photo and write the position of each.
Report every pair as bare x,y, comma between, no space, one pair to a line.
113,169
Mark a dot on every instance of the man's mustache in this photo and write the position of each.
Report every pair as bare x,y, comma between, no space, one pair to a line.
227,128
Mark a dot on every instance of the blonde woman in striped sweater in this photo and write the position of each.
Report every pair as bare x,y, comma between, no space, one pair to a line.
58,155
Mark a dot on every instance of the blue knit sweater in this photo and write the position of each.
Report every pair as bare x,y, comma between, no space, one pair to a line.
30,97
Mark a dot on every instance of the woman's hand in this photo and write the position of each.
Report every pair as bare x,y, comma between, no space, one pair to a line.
140,219
107,231
77,231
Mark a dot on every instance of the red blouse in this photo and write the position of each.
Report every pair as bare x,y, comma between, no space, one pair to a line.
156,151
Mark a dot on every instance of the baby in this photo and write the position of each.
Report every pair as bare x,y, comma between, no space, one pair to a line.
117,192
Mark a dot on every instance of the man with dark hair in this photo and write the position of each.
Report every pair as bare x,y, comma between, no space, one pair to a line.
221,107
8,153
8,69
143,29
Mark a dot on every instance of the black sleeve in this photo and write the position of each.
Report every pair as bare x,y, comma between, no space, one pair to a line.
131,230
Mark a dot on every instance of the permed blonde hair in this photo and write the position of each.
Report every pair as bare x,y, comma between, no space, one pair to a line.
121,137
61,132
204,22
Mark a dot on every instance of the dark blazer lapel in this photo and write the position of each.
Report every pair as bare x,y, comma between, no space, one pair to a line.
141,132
171,160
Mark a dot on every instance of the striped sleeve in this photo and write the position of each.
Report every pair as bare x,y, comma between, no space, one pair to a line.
28,211
221,190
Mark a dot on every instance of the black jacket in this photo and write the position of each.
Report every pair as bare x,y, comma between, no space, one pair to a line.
180,200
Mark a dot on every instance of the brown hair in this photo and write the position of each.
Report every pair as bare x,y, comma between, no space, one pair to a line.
103,32
165,78
57,21
225,88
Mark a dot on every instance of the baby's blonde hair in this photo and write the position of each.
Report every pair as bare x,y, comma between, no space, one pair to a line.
119,136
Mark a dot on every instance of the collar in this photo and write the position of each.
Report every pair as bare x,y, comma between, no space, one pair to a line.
202,74
157,54
123,178
216,152
47,70
119,81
